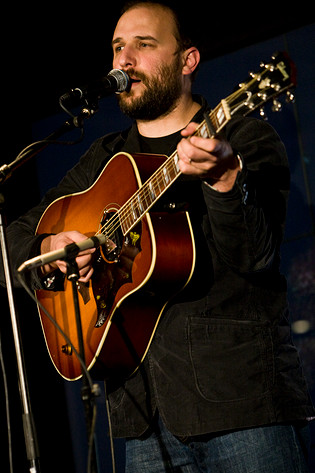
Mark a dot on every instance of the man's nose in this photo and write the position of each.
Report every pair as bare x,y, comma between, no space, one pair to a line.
127,57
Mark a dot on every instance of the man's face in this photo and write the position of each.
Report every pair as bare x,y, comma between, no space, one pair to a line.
144,45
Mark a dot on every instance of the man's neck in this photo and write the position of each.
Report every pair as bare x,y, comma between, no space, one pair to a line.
174,121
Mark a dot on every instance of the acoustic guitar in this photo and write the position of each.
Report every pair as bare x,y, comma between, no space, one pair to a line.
154,254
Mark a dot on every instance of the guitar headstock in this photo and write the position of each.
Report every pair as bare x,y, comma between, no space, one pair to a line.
273,79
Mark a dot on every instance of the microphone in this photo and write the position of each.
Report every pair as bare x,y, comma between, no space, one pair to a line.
116,81
69,251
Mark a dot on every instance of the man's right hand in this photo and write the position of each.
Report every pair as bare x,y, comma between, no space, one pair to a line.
84,258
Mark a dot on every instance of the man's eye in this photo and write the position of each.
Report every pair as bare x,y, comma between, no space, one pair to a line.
118,49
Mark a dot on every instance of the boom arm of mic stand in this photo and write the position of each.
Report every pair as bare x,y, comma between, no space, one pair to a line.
34,149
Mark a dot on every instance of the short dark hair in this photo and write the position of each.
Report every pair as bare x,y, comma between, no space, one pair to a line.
183,39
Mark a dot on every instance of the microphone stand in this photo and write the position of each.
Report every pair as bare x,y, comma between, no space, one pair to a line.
88,393
27,417
5,172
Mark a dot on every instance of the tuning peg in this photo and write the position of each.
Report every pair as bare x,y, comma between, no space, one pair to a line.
276,107
262,113
255,75
290,97
276,87
269,67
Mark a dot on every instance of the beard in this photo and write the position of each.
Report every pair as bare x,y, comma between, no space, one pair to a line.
159,97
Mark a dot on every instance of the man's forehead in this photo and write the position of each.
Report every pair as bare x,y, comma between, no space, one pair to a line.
143,21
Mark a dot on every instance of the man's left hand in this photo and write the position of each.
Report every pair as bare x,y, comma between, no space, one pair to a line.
212,160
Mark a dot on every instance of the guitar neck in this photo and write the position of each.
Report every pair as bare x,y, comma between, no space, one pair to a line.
272,80
141,202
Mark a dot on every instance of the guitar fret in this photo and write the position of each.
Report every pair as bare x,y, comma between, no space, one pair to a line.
147,201
133,212
140,203
152,191
125,221
175,162
222,115
173,170
157,187
166,176
203,131
216,124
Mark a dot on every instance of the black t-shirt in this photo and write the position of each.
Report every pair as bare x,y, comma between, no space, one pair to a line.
162,145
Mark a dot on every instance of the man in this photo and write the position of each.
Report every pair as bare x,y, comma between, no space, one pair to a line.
221,388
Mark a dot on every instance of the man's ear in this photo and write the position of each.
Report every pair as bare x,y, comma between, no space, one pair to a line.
191,59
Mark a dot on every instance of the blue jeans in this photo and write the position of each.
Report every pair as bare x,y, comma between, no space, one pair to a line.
267,449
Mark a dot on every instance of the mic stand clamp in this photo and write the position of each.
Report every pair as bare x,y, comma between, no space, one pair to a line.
86,112
88,392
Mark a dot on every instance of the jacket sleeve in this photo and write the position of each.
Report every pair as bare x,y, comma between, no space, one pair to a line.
23,243
247,223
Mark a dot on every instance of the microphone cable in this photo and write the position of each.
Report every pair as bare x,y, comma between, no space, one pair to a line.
94,387
7,406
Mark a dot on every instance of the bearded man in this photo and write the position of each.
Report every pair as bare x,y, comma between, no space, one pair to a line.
221,387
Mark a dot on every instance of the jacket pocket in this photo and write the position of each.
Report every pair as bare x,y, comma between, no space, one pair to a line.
232,360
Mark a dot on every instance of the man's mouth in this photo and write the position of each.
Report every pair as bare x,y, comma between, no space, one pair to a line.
135,79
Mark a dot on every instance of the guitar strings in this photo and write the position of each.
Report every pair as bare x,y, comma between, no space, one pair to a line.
131,211
157,180
130,207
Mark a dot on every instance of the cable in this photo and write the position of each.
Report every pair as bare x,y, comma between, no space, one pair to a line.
91,440
52,320
45,142
7,407
93,387
110,432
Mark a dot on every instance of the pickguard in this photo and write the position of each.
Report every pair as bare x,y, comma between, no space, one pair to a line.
113,265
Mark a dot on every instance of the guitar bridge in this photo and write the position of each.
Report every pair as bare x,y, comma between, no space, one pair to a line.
113,269
83,289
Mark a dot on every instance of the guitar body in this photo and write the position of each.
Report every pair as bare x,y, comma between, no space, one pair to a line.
154,257
131,285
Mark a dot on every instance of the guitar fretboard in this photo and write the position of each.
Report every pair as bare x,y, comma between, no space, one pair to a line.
273,79
135,208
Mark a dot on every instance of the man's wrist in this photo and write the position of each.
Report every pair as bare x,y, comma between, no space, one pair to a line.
225,185
45,247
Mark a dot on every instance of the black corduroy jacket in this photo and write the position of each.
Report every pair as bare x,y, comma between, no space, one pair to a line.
222,357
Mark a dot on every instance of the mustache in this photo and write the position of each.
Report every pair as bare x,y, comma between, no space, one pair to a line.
136,75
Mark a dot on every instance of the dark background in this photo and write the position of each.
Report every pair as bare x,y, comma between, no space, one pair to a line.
46,51
53,49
